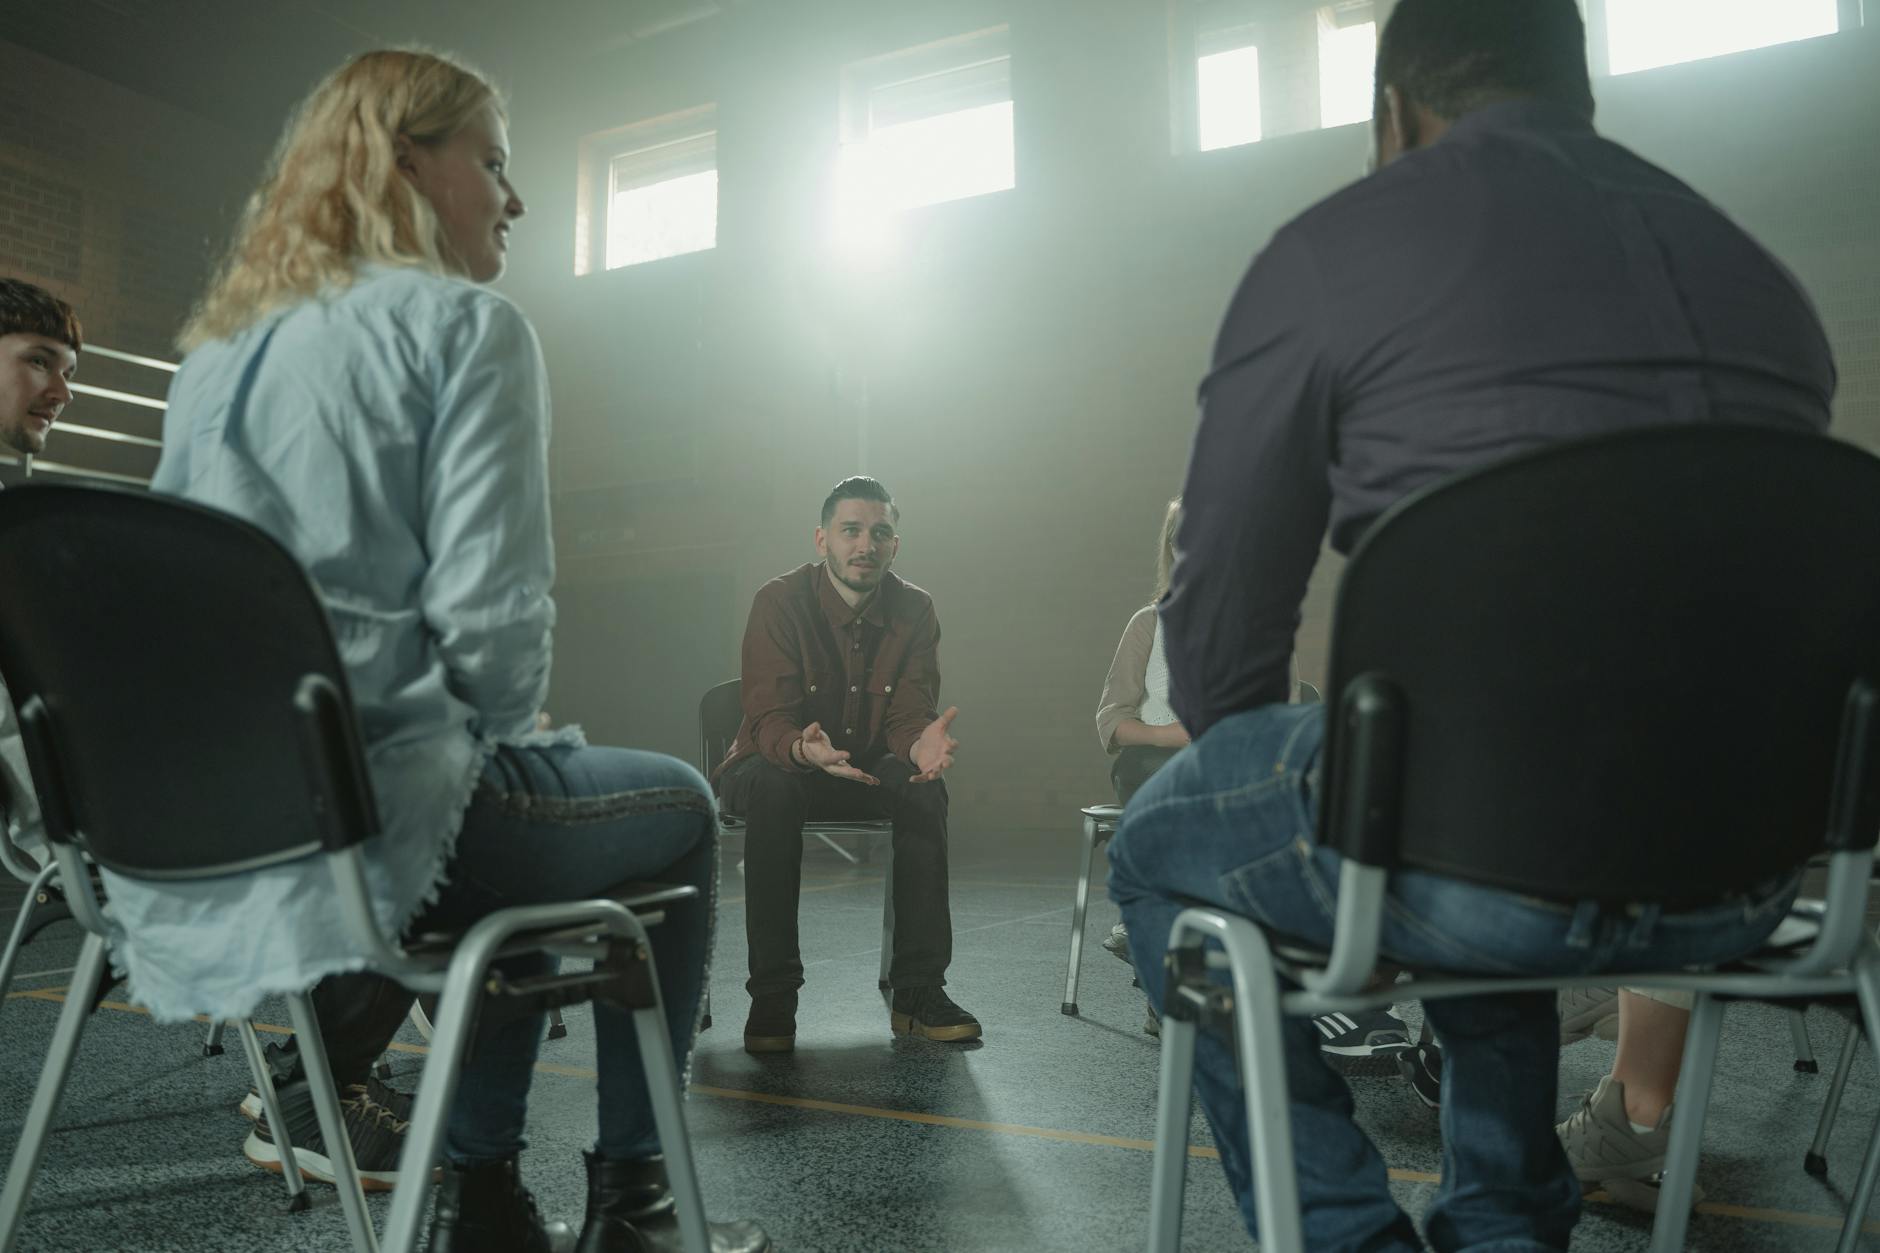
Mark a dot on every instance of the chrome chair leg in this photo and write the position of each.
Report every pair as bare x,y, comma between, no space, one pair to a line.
326,1107
1804,1050
297,1200
1678,1191
22,925
1173,1109
52,1078
1078,909
1816,1162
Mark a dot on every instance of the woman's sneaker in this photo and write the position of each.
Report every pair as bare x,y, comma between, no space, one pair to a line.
376,1132
1588,1012
1606,1151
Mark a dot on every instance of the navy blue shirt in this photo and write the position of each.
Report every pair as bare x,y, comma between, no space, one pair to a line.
1519,282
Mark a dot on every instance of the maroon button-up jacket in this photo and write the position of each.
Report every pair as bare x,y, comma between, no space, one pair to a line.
870,676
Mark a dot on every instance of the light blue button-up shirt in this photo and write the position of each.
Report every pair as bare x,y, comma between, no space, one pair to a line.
394,437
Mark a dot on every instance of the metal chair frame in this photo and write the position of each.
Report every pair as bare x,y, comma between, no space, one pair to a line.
1099,825
1664,525
224,565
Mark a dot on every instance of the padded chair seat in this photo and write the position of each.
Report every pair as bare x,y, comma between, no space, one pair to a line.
647,900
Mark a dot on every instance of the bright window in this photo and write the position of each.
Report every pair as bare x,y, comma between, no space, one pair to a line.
1644,34
946,157
1347,62
923,126
648,191
662,219
1228,98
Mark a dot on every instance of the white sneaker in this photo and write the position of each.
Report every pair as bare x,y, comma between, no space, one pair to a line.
1588,1012
1607,1153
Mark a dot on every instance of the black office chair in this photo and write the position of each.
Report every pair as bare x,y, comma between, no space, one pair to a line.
186,717
1557,676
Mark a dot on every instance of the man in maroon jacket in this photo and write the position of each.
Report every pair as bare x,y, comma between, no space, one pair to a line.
840,687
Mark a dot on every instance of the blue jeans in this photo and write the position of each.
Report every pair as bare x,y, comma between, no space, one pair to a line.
563,823
1231,821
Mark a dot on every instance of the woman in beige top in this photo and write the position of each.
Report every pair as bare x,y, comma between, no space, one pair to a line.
1141,731
1134,720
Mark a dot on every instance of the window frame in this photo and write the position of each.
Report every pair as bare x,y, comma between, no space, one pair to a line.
938,71
670,146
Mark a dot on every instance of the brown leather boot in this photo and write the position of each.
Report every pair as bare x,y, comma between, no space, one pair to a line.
630,1210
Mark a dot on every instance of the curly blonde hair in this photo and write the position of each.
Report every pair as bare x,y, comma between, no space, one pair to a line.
334,197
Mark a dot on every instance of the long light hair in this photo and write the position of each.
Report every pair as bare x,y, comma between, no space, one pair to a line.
334,197
1165,553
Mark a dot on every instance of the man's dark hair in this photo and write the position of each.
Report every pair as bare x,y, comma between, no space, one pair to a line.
861,487
29,310
1453,56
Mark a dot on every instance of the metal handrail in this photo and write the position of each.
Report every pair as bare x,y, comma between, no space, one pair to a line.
34,466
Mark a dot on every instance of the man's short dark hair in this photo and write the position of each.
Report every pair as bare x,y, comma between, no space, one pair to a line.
29,310
861,487
1454,56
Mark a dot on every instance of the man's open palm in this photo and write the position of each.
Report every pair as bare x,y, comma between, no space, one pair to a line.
933,751
826,757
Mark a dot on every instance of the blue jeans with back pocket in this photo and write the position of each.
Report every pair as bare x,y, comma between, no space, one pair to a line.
564,823
1231,821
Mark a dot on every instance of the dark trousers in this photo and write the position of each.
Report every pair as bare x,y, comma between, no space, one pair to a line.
359,1014
1133,766
775,803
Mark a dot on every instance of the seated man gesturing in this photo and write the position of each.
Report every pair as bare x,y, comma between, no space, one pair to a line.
840,682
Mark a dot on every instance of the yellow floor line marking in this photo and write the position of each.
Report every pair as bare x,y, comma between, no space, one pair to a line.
1719,1209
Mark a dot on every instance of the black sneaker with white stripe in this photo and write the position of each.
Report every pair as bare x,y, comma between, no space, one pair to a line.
1365,1033
377,1134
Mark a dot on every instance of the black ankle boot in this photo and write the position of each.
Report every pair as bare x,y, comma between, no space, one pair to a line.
485,1209
630,1210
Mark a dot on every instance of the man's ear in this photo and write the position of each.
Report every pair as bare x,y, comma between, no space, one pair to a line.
1398,118
822,543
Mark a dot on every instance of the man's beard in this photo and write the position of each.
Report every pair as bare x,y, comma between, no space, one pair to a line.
852,585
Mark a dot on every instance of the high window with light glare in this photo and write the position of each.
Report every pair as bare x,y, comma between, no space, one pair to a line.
1645,34
649,191
1227,91
926,125
1264,68
1347,63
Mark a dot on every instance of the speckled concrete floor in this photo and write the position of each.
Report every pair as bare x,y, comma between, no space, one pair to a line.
1035,1139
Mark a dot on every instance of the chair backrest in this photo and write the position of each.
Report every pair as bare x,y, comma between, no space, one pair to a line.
184,708
1617,669
720,711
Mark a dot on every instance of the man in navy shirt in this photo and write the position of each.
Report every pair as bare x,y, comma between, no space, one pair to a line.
1506,279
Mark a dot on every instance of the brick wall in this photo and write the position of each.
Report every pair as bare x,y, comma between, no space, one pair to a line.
117,203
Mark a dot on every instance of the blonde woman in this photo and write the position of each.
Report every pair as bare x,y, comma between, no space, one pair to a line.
353,388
